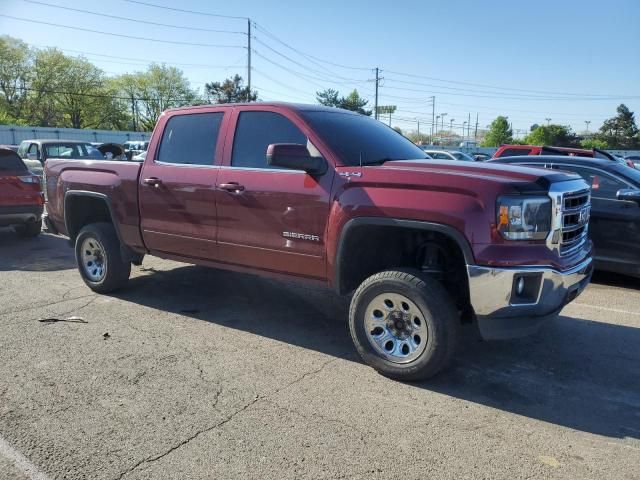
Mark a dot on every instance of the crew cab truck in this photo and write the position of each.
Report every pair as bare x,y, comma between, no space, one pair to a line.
338,199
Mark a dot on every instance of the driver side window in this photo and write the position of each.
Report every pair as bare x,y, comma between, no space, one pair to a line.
255,131
33,150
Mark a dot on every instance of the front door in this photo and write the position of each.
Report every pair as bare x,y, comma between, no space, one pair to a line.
271,218
614,226
177,187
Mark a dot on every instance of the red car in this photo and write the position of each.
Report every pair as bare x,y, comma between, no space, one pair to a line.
334,198
518,150
21,199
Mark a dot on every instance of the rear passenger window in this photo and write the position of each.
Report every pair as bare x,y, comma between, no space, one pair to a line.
514,152
190,139
11,162
256,131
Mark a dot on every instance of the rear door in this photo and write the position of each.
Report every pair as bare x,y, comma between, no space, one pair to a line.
177,185
271,218
615,224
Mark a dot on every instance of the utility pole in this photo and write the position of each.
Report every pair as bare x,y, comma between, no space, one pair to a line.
475,135
464,126
433,115
249,56
133,113
442,115
376,101
451,128
548,121
468,124
418,127
587,122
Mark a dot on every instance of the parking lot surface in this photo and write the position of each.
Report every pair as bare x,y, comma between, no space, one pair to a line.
195,373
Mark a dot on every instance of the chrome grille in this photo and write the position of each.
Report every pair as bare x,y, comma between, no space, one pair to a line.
576,208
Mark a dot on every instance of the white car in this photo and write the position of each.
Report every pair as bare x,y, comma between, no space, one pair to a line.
449,155
140,157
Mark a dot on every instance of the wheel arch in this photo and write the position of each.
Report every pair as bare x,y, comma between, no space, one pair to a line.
342,275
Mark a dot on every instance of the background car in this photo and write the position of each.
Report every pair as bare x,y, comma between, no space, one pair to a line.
21,199
515,150
480,157
614,226
449,155
635,159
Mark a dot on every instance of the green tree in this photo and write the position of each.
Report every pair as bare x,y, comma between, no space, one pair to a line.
16,63
419,138
353,101
499,133
153,91
620,131
328,98
594,143
231,90
556,135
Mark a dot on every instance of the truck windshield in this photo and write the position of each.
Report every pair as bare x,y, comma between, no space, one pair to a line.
355,138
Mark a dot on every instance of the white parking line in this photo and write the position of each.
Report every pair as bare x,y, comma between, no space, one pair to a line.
597,307
21,462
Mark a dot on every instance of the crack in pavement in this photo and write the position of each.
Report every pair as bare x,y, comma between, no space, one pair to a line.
34,307
225,421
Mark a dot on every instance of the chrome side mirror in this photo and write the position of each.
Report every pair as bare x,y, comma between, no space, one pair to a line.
629,195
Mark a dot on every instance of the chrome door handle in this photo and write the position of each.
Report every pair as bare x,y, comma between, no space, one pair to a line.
153,181
231,187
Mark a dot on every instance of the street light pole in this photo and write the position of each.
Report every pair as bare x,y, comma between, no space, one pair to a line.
587,122
464,124
451,127
548,121
435,130
442,115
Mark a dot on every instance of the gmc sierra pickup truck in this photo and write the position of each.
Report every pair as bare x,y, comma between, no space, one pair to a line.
339,199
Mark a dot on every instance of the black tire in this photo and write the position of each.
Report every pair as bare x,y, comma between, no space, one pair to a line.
438,310
116,270
29,230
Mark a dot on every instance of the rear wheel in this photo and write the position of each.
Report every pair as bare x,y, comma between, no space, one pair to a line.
99,258
29,230
404,324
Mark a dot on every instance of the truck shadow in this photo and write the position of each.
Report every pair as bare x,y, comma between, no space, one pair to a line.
575,373
44,253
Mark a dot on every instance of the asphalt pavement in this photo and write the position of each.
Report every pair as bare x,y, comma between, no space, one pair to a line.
196,373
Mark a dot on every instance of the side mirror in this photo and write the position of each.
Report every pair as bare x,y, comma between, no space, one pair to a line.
296,157
629,195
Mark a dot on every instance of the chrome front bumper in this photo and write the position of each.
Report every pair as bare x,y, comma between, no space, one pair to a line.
504,313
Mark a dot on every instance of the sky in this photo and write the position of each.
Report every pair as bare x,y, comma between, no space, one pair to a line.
569,61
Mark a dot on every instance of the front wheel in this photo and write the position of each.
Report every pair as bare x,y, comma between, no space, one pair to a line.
99,259
404,324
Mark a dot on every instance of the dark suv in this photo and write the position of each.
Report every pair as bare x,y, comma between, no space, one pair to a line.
615,210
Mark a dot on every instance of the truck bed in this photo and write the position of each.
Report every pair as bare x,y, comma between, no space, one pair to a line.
116,180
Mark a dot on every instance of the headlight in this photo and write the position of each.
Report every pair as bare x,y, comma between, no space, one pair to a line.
524,218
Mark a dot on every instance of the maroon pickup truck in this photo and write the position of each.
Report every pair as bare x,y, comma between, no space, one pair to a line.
341,200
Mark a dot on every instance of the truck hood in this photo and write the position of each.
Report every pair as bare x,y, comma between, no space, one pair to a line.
522,179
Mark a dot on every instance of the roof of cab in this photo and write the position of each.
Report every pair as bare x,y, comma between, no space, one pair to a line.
293,106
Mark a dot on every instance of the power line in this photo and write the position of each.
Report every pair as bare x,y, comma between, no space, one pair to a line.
97,95
136,20
317,72
195,12
268,33
495,87
509,95
174,42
